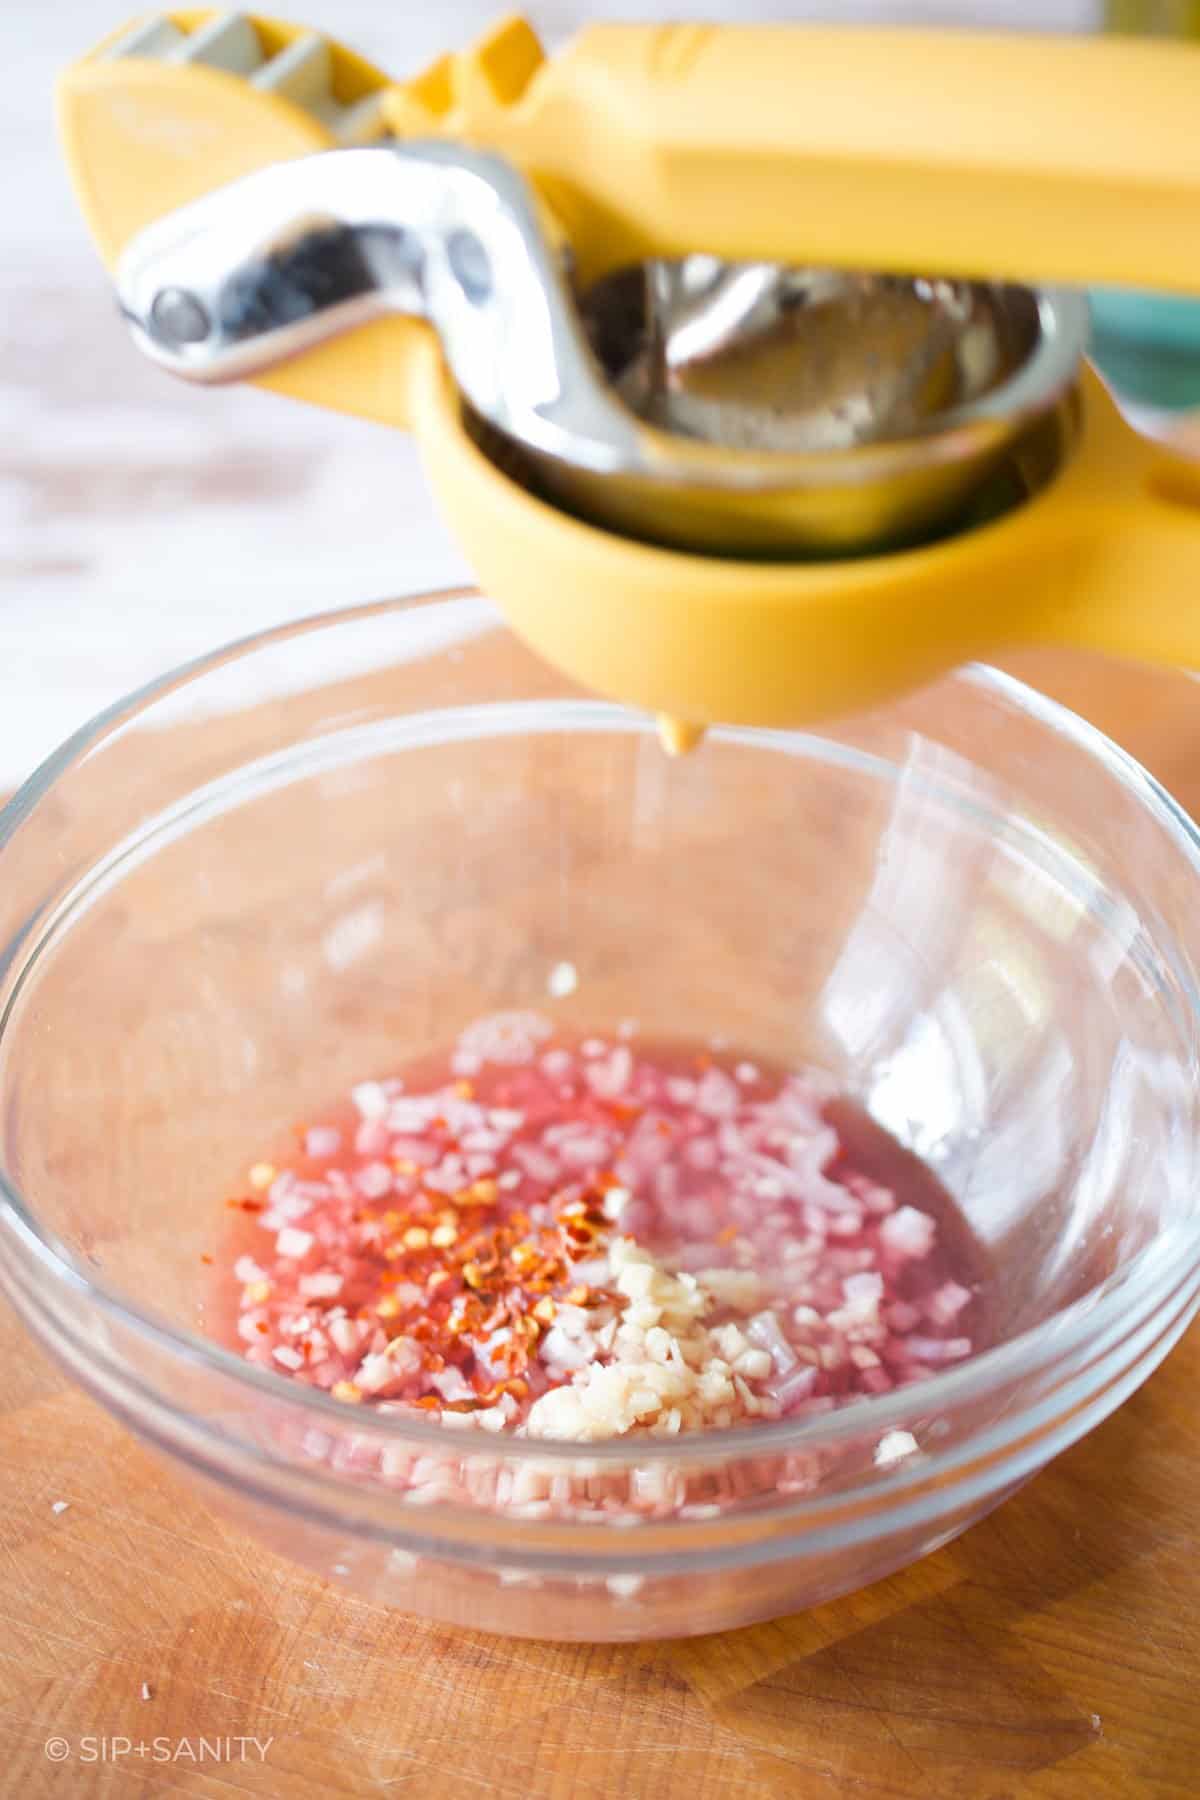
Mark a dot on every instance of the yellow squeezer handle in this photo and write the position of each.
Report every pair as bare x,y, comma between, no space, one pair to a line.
1034,159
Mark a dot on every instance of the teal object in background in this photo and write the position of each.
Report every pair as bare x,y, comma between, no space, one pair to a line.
1148,346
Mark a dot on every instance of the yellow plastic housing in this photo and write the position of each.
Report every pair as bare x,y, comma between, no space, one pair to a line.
1108,556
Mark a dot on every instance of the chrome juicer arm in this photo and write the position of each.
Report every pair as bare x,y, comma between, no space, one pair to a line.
268,267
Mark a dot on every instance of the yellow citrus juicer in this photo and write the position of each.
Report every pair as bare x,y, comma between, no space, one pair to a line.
746,362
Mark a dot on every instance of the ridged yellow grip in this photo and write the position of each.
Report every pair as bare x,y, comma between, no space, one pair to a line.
143,137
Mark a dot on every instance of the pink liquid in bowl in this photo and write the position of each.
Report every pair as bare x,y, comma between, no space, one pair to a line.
598,1237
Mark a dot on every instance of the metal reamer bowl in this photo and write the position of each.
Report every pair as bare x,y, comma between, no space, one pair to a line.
739,409
802,412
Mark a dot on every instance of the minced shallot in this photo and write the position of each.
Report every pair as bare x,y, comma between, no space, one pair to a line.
583,1240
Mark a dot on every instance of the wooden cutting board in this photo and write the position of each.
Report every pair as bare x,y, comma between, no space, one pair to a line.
1053,1651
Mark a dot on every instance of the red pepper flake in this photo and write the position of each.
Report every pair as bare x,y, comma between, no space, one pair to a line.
206,1259
245,1204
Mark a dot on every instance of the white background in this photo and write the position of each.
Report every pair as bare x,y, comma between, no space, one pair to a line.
142,521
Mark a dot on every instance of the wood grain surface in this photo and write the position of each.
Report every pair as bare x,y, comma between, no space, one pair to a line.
1052,1651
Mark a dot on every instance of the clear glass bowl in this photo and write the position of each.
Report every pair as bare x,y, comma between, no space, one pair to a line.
314,855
